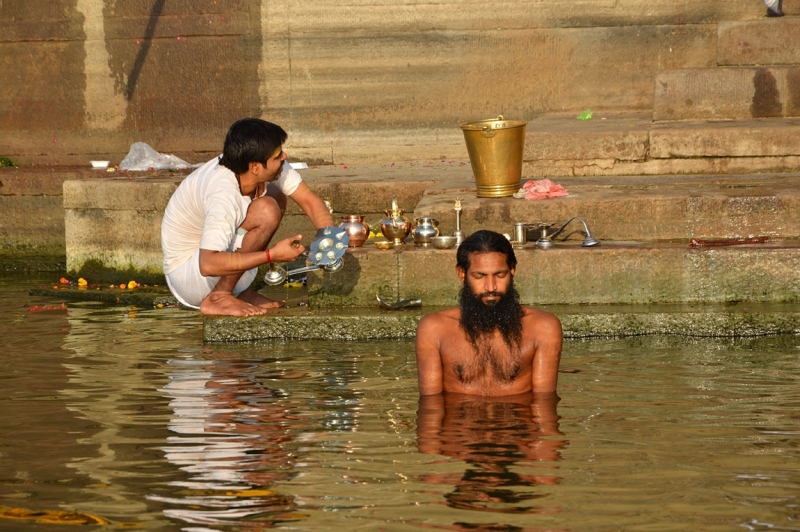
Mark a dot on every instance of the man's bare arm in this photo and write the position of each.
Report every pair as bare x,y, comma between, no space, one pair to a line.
221,263
429,359
548,353
313,206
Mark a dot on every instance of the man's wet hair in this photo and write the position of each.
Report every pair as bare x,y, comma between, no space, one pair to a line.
485,241
250,140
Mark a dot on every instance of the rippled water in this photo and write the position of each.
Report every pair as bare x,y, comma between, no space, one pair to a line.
124,414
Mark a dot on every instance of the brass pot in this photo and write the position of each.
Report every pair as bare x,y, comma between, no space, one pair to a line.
356,229
396,229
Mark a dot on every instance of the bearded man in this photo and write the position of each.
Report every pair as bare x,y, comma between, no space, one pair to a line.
490,344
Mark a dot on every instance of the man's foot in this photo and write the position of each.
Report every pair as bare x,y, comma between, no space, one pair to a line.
256,299
226,304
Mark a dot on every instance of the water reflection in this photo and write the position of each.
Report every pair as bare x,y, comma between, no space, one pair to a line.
511,444
229,435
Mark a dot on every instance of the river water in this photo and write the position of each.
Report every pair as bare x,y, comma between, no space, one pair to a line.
123,416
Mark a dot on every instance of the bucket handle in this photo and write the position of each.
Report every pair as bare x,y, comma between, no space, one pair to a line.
488,132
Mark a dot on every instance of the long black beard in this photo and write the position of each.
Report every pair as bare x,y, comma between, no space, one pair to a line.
480,321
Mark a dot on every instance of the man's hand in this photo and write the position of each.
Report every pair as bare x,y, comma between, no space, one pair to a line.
287,250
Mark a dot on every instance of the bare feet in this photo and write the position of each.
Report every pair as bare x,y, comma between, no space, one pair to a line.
254,298
226,304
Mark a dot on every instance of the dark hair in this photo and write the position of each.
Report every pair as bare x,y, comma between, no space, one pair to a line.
484,241
250,140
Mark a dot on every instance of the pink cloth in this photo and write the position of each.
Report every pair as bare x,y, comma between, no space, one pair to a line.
543,189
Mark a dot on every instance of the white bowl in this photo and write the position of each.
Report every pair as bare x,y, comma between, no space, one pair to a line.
99,164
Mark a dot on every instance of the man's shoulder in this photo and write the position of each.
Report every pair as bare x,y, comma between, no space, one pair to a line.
540,317
441,317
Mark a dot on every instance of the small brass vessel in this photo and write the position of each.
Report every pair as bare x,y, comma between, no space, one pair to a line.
444,241
384,244
356,228
396,227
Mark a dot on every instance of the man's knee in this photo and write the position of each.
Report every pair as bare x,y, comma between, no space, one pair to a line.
265,211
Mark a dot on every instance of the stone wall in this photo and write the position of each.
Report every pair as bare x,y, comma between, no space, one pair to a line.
355,80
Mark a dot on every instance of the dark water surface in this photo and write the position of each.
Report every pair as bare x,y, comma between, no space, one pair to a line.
124,414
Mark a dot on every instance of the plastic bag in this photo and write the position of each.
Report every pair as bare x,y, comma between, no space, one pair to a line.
141,157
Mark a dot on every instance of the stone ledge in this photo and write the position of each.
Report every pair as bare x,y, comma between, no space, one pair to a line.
402,324
612,273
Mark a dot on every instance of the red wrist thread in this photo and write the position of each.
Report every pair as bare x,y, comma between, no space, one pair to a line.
269,259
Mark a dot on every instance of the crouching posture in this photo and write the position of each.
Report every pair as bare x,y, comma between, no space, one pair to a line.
219,222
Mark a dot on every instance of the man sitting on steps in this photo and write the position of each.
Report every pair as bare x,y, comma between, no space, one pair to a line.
221,218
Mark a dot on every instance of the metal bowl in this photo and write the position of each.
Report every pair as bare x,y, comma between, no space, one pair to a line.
384,244
443,242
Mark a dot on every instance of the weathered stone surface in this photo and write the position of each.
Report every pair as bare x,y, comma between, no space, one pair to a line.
428,274
562,137
31,225
440,78
727,93
176,75
759,42
589,323
679,208
111,243
119,194
605,168
364,275
740,138
29,181
612,273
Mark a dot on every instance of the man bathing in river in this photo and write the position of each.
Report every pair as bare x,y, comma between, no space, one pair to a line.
490,344
219,222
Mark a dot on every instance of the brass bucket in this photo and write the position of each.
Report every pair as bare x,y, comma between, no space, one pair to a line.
495,152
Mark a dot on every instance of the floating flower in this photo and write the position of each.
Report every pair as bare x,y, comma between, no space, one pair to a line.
132,285
122,286
82,282
63,280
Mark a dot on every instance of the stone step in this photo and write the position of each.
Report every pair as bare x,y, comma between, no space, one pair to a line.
612,273
638,209
114,223
770,41
791,8
724,93
735,321
632,144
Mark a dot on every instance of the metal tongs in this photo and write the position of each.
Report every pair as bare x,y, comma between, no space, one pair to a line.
326,252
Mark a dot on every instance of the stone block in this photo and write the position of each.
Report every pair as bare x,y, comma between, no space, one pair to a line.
113,227
679,209
105,244
613,273
766,41
740,138
31,225
727,93
364,275
428,274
